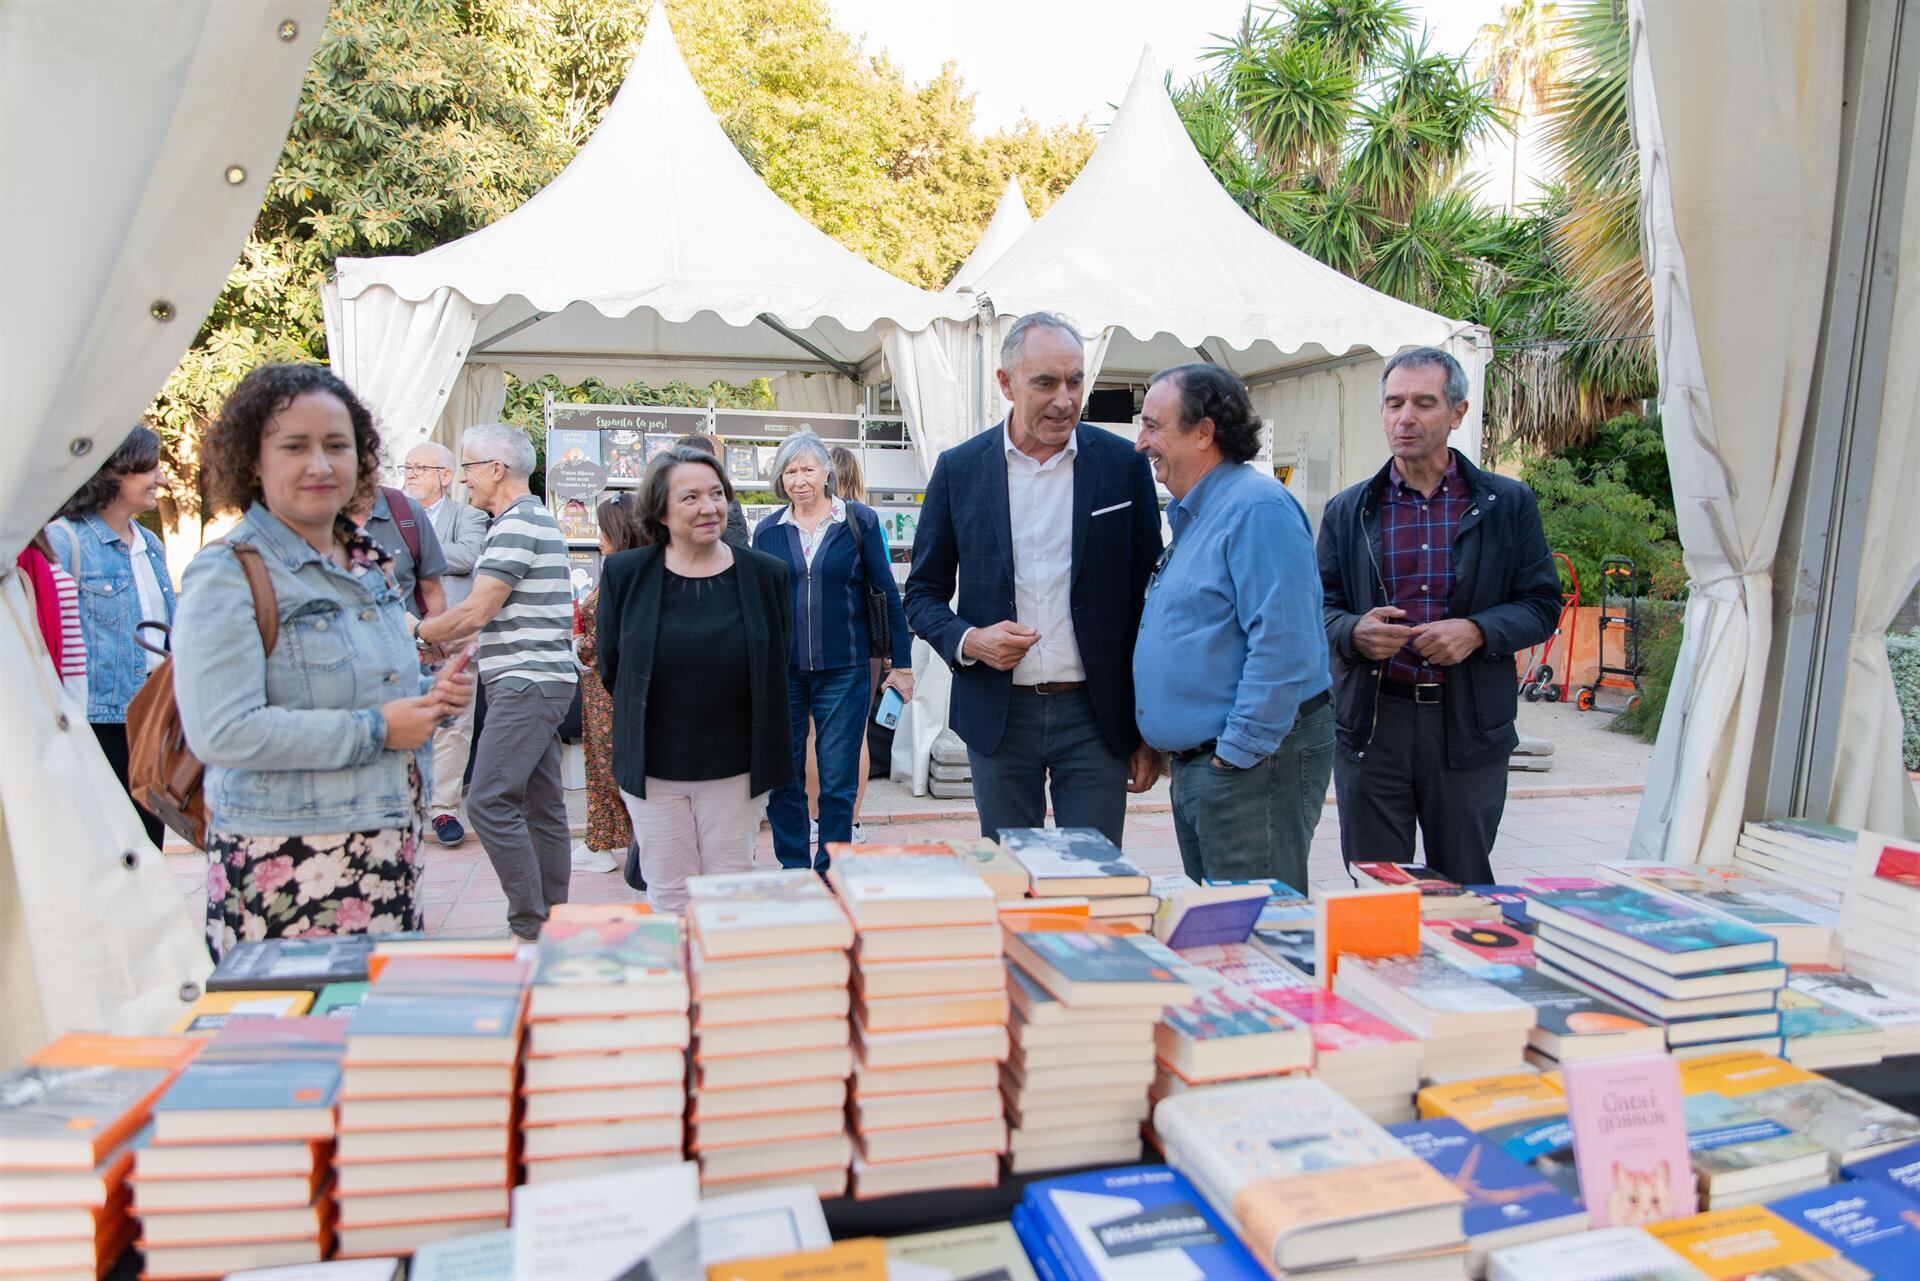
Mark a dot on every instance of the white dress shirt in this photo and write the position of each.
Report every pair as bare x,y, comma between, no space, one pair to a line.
1040,512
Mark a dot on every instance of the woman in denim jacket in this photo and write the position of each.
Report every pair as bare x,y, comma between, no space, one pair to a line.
121,567
315,753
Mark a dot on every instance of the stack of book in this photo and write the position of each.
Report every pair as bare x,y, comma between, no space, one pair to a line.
277,964
1899,1169
1224,1031
1742,1158
1368,1061
1751,1241
1605,1254
67,1121
1085,1008
233,1173
1813,858
1894,1011
1142,1222
1881,909
930,1022
1078,862
1709,979
1310,1183
1819,1035
1441,898
1851,1126
604,1086
1569,1024
427,1122
1286,936
214,1010
1489,941
1874,1227
1377,921
1803,926
1469,1028
1522,1114
1508,1203
768,963
1001,871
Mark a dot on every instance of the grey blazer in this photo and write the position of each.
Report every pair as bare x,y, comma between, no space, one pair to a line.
462,531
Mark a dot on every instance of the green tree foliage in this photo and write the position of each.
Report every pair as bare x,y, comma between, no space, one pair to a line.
1612,497
422,120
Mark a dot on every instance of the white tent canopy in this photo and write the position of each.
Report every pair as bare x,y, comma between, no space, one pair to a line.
1151,257
1009,223
657,252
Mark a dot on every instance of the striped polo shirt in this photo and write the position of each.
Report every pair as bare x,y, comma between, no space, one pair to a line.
530,638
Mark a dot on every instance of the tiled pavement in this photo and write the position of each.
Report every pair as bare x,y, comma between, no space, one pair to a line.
1551,835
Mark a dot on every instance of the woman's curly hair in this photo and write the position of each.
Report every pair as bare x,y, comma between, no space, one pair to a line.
139,452
230,452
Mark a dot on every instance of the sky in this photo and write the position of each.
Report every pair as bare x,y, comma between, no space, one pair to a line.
1059,60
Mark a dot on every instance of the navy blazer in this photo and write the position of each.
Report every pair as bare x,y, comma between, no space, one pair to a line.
966,535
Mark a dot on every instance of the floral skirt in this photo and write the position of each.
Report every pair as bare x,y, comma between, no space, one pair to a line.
340,883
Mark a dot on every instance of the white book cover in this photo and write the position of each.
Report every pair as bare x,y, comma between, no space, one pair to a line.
749,1225
1607,1254
756,900
1239,1134
1876,1002
479,1256
590,1229
1066,853
896,877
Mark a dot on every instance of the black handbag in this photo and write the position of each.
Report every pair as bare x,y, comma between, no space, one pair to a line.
879,618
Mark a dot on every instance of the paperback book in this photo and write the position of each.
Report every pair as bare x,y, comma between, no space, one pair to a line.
1507,1202
1130,1224
1736,1150
1630,1139
1363,923
1751,1240
272,964
1664,933
1073,861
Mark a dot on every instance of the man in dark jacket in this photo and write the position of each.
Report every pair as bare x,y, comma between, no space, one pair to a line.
1433,575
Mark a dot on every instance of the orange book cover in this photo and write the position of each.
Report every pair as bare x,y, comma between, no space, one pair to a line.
1487,1101
840,849
1748,1240
103,1049
1273,1208
860,1259
594,913
1737,1072
1369,922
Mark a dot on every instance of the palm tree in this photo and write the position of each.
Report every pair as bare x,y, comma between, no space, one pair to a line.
1520,61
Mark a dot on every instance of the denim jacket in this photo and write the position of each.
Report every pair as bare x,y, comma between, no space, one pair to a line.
294,743
109,607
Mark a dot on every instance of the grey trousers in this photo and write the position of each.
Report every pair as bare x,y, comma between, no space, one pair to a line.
1255,823
1403,779
516,802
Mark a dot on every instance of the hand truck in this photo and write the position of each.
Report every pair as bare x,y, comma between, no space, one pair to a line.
1619,612
1537,684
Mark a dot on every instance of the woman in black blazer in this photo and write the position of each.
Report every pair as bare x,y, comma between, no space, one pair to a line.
693,637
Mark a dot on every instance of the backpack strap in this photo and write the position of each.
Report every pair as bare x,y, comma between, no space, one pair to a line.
402,512
266,606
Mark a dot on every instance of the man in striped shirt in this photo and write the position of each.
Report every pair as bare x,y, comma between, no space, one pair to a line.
522,607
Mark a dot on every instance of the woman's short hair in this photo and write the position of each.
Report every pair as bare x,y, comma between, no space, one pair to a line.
619,525
847,480
230,452
139,452
802,444
653,490
1208,391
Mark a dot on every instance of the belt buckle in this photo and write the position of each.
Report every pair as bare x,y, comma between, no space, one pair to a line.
1420,692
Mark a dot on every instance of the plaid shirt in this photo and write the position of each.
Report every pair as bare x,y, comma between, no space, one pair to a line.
1416,537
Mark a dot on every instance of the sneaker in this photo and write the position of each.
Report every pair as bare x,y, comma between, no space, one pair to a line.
447,830
858,835
587,860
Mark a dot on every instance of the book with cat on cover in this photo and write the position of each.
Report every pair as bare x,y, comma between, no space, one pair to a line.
69,1117
1507,1202
1365,923
1735,1149
1308,1178
295,962
1135,1223
898,891
1869,1223
1751,1240
1630,1139
1074,861
742,914
633,965
1667,934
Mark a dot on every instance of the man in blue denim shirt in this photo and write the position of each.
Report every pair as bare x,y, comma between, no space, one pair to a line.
1230,672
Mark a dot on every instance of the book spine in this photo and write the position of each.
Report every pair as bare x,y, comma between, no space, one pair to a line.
1039,1245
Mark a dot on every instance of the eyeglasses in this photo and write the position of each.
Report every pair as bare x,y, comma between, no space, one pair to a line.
478,462
415,469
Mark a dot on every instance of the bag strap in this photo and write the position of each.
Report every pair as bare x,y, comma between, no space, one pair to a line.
266,606
403,519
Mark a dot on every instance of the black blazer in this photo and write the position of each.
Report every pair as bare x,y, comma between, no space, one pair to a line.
1504,579
966,534
626,626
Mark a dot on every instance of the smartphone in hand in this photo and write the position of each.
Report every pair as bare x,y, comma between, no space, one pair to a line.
888,715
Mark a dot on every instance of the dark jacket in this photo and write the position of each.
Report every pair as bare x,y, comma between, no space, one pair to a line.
1504,581
966,536
830,624
736,533
625,627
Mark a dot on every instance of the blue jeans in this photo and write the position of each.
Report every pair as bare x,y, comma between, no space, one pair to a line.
1050,739
835,701
1248,824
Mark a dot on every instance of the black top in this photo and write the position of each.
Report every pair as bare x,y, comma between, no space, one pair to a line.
699,716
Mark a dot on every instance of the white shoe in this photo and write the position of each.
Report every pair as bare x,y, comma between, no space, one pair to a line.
859,835
587,860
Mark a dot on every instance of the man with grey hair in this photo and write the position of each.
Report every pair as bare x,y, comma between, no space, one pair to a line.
521,604
1050,527
1433,575
462,532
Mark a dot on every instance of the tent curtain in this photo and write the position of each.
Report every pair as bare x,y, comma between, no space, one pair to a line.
798,391
163,122
478,396
930,371
1738,163
1870,785
403,359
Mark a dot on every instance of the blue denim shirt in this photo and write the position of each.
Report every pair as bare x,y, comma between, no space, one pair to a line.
101,562
1231,641
294,743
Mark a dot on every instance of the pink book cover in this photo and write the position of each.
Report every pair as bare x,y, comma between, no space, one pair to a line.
1556,884
1629,1139
1337,1023
1899,864
1495,942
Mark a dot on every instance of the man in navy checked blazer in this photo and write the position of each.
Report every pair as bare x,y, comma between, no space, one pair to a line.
1433,575
1051,528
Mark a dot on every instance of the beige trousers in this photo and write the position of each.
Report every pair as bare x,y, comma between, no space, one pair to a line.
451,746
692,829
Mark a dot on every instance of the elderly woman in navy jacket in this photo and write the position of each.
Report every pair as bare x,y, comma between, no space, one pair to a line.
837,555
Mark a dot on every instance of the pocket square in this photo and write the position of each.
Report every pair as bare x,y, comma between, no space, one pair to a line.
1116,507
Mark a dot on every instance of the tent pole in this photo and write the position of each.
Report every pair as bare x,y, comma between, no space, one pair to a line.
509,331
847,371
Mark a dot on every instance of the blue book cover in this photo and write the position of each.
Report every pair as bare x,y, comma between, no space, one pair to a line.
1501,1192
436,1014
1666,925
1141,1220
1868,1222
1512,901
1209,924
1035,1244
1898,1169
1544,1144
1278,891
306,1084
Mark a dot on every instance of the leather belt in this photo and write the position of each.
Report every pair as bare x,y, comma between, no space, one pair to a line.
1422,693
1307,708
1055,687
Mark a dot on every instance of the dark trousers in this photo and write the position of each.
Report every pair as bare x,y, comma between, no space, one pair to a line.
1404,779
1255,823
835,702
516,802
113,744
1052,742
